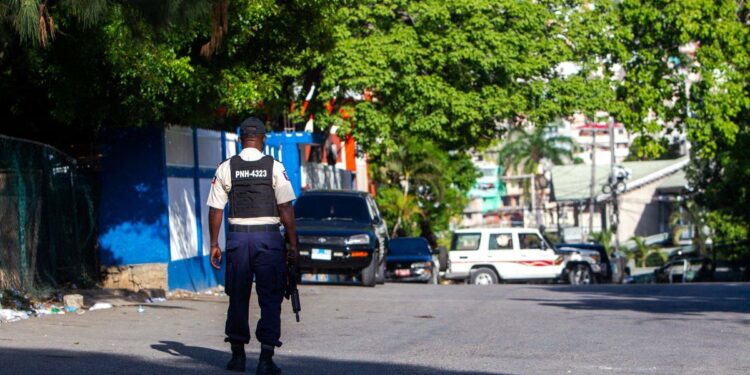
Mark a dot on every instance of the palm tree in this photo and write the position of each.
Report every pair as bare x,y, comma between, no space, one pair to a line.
603,238
34,24
642,250
690,214
418,175
403,206
34,20
409,170
525,151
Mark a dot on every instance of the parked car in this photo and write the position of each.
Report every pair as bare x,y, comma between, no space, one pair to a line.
412,259
695,269
490,255
342,232
611,268
604,273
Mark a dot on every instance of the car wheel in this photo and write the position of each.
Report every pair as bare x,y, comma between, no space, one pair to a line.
380,276
368,274
483,276
443,259
435,277
580,275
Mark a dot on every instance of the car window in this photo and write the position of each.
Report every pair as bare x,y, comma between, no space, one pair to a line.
372,207
501,241
530,241
409,246
466,241
325,207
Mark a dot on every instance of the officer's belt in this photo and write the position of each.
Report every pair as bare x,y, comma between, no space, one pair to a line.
254,228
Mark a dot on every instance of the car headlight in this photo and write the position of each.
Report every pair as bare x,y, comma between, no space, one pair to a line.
359,239
421,265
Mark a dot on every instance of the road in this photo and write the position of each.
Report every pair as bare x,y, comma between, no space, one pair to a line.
415,329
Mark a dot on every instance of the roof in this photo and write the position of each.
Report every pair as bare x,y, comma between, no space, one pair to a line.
571,182
675,183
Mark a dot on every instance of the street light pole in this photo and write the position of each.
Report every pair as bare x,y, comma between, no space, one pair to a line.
592,187
612,179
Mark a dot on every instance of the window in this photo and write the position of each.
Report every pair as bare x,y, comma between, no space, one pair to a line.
466,241
501,241
409,246
530,241
372,207
332,208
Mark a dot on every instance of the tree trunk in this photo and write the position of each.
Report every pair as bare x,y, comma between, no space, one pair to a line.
397,226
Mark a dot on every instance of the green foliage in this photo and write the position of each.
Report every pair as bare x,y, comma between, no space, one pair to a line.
524,152
729,235
691,214
450,71
654,259
603,238
647,255
400,210
714,112
437,179
458,73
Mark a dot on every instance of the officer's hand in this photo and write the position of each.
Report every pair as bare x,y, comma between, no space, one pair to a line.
292,256
216,257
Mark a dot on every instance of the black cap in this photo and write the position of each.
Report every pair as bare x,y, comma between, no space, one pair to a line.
252,126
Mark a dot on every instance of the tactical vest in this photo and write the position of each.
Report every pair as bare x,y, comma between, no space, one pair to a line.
252,192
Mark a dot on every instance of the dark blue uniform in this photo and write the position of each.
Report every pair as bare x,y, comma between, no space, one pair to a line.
259,255
254,252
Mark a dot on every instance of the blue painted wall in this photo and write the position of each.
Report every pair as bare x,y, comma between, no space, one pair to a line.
285,147
133,219
134,209
194,274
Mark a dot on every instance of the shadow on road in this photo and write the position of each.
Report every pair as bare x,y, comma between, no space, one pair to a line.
188,360
690,299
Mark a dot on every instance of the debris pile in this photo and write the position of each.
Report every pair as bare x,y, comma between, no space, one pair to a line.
16,306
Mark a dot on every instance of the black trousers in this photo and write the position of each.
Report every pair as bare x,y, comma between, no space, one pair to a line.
258,255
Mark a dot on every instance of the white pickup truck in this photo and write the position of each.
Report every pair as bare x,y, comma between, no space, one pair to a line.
491,255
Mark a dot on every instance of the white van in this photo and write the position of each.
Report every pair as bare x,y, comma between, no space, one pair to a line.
490,255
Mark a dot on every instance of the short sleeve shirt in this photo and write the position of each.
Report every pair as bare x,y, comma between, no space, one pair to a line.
222,184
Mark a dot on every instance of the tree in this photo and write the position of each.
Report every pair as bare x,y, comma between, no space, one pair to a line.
141,63
412,169
645,253
603,238
34,22
691,215
425,175
526,151
646,147
691,75
401,209
452,71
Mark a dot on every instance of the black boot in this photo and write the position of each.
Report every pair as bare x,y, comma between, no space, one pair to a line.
265,364
237,363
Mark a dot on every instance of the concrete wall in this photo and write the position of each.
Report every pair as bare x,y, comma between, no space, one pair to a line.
639,212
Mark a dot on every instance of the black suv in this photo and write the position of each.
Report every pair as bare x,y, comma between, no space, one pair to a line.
341,232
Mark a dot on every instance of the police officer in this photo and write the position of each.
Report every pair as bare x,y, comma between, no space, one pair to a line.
260,196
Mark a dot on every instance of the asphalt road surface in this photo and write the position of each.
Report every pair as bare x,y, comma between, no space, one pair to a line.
414,329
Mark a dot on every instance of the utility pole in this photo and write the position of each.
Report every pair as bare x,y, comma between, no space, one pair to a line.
533,201
612,180
592,187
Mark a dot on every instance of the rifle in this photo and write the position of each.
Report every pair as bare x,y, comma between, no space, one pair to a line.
291,293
